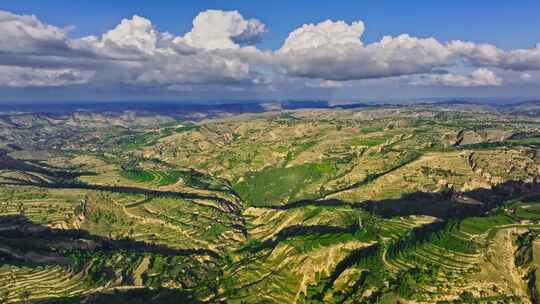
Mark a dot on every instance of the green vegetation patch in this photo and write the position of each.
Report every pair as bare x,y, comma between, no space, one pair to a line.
368,142
309,242
139,140
531,141
481,225
164,178
137,175
136,141
187,128
274,185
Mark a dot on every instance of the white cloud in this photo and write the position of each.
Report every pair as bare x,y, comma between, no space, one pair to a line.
478,78
197,69
26,41
525,76
487,55
137,33
219,51
214,29
334,51
478,54
523,59
325,84
130,40
324,34
20,77
206,55
29,35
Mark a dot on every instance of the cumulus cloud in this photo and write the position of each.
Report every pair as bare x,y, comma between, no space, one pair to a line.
487,55
26,41
29,35
136,33
522,59
134,53
20,77
478,54
478,78
197,69
325,84
132,39
334,51
324,34
214,29
525,76
219,50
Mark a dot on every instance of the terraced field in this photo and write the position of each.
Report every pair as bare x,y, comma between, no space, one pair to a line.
417,204
27,283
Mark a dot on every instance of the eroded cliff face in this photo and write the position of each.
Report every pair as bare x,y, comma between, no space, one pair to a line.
510,265
527,260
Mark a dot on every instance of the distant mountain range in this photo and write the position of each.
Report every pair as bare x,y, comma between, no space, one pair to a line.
212,109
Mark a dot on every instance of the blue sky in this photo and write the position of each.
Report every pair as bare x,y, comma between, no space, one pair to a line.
506,25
